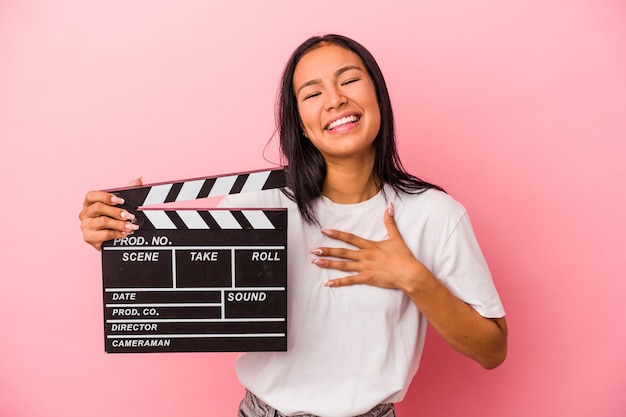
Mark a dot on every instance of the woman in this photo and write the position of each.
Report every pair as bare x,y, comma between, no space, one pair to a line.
374,252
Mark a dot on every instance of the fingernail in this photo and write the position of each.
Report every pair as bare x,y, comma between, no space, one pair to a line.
316,252
127,215
117,200
327,232
329,284
130,226
390,209
318,262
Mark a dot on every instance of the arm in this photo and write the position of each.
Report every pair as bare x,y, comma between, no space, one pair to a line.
390,264
480,338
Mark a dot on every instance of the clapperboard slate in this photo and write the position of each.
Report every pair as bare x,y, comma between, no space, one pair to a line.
198,280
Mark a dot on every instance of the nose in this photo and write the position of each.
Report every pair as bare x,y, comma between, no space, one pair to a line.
335,98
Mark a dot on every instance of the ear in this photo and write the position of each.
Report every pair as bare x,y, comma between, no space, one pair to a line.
303,130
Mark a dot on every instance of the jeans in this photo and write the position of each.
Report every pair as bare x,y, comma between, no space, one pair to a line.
252,406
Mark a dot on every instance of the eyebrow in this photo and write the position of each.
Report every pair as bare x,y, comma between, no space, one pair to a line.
337,74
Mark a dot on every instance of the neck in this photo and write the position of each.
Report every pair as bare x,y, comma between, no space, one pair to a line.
346,184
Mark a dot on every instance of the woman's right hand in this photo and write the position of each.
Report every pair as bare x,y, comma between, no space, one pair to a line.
102,220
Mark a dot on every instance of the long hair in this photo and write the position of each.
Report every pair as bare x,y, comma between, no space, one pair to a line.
306,168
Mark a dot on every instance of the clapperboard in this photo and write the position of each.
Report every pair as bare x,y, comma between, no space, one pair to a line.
198,280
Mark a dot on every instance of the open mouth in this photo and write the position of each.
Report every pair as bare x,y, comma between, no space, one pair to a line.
343,121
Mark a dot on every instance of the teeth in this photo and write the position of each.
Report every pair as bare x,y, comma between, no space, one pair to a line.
343,120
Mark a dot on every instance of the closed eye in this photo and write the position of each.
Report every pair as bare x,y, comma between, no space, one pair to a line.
350,81
308,96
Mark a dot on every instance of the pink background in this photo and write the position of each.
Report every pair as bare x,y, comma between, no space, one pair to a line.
518,108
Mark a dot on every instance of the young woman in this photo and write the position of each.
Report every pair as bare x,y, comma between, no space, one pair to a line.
374,252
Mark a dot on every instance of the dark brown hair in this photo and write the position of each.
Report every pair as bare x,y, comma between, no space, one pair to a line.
306,168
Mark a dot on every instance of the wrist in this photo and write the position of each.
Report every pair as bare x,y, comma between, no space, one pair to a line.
418,280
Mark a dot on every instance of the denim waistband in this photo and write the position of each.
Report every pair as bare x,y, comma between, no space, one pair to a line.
253,406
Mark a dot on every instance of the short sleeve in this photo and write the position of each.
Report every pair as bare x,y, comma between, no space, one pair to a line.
461,266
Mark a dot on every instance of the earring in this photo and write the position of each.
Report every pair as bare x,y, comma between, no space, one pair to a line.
304,134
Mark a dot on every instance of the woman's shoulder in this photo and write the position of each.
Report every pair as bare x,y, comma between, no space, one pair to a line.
432,200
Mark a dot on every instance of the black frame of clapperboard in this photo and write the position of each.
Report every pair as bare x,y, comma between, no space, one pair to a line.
158,299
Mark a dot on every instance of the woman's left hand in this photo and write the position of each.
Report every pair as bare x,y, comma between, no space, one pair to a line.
386,264
390,264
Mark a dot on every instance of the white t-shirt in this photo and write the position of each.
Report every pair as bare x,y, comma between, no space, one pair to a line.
354,347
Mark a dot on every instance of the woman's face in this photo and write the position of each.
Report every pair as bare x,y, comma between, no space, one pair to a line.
337,103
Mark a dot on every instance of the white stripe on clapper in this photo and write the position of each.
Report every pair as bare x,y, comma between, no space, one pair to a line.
157,194
257,219
159,219
222,186
255,181
190,190
225,219
192,219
